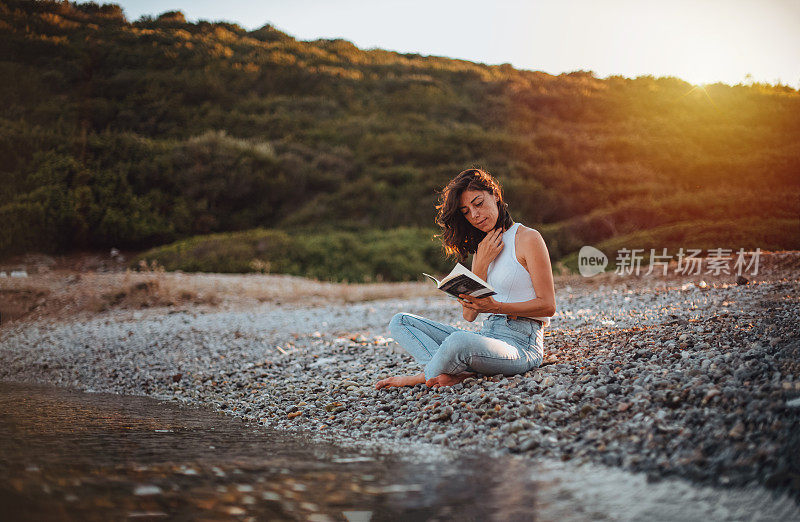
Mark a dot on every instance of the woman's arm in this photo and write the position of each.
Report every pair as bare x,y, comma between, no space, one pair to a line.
533,251
488,249
468,313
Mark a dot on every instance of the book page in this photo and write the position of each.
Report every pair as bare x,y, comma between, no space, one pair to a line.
461,280
436,281
460,270
464,284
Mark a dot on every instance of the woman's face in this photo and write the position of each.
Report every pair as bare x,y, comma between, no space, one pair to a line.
480,209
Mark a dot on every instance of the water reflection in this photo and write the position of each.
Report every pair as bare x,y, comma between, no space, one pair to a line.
70,455
75,456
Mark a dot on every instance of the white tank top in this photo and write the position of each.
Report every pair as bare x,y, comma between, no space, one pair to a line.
508,277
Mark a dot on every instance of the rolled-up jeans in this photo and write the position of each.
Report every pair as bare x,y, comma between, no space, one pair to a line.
503,345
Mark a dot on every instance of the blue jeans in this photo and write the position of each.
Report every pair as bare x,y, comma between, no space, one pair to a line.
504,345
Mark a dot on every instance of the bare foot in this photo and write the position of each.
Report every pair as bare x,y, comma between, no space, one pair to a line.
400,380
445,379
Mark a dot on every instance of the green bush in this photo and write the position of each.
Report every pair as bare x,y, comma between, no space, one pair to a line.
371,255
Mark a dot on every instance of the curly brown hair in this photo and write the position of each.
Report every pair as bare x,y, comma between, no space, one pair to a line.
459,238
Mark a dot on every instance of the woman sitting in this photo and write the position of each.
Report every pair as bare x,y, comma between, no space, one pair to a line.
513,259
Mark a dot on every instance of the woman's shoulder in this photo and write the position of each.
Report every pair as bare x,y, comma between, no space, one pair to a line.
527,233
529,240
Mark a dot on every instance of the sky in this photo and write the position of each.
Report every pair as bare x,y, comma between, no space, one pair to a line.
700,41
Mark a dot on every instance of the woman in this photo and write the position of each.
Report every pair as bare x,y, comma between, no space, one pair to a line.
513,259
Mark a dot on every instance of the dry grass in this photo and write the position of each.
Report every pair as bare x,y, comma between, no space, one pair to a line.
63,294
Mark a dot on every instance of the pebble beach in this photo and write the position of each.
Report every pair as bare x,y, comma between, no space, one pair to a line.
672,377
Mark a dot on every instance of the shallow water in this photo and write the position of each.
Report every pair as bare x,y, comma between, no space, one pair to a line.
69,455
73,455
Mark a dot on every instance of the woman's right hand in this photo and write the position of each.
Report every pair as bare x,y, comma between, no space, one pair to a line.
488,249
468,313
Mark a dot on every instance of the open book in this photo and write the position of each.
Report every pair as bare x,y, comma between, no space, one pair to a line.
461,280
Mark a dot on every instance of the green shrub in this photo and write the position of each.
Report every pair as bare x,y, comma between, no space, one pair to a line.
400,254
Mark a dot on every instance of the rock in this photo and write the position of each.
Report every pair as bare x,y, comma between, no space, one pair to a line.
445,414
516,426
144,490
528,444
710,394
601,392
737,431
592,434
440,439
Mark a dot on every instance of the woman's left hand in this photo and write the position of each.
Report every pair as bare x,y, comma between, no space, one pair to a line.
480,304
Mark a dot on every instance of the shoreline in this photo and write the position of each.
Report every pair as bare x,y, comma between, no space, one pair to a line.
193,460
663,377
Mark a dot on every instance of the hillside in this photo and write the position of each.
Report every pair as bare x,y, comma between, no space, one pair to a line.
137,134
